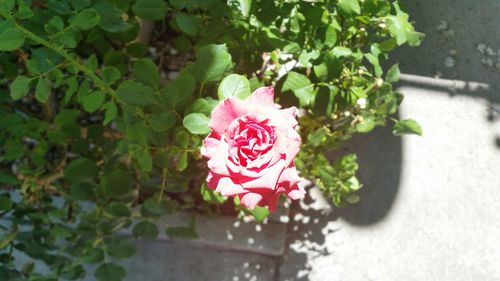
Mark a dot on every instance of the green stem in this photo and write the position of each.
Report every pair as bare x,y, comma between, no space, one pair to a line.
98,81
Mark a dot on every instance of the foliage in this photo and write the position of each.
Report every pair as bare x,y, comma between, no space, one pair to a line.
94,140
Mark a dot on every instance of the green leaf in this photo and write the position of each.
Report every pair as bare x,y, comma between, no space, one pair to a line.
234,85
119,209
110,272
116,183
8,178
137,50
156,207
393,74
366,125
143,157
86,19
11,37
182,162
203,105
111,16
145,229
81,169
120,250
187,23
179,90
196,123
20,87
146,72
82,191
55,25
150,9
301,86
317,137
400,28
259,213
43,90
408,126
110,74
341,52
66,117
184,232
211,196
330,36
244,6
350,7
111,112
5,204
163,121
93,101
79,4
9,237
23,11
6,6
134,93
212,62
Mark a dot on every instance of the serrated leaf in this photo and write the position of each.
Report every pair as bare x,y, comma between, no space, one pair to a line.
145,229
179,90
341,52
110,272
259,213
111,112
116,183
182,162
120,250
43,90
350,7
93,101
163,121
7,238
20,87
86,19
150,9
301,86
393,74
212,62
196,123
5,204
6,6
187,23
118,209
110,74
82,191
154,206
81,169
408,126
111,17
234,85
134,93
146,72
211,196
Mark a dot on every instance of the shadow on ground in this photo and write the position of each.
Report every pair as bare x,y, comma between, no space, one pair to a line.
380,156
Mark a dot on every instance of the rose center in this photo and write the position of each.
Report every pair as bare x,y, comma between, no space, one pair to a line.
249,138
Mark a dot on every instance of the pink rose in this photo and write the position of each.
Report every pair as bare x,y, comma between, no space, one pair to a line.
251,150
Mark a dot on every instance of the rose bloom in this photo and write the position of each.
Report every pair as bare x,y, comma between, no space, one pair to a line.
251,150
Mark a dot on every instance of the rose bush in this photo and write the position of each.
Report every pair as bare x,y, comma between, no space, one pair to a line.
251,150
104,106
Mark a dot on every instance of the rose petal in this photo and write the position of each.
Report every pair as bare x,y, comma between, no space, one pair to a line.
263,96
210,146
268,179
250,200
225,112
227,187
